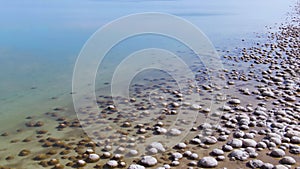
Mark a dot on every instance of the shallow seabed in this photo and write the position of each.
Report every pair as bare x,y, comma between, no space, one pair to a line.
255,111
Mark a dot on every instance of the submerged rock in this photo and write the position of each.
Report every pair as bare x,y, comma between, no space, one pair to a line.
136,166
234,101
255,163
239,155
93,158
174,132
112,163
277,153
288,160
208,162
149,161
157,146
235,143
249,143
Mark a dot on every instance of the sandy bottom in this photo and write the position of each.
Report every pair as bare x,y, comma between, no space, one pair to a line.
33,139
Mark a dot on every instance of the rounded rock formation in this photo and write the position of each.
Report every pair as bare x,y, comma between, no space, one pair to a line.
208,162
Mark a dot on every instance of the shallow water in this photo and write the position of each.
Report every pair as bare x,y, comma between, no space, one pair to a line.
40,42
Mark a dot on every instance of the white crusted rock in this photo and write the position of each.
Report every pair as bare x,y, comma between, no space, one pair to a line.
112,163
239,155
149,161
136,166
208,162
174,132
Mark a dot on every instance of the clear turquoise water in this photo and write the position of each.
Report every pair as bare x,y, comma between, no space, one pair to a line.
40,40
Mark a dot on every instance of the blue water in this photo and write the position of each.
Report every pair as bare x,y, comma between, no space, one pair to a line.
40,40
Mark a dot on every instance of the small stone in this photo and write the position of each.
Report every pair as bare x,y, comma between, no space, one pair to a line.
276,140
142,131
195,107
152,150
175,163
108,148
181,145
226,108
295,149
280,167
291,133
9,158
174,104
149,161
158,146
239,155
161,130
187,153
221,158
160,123
136,166
249,135
234,101
267,166
177,156
38,124
58,166
210,140
255,163
230,83
295,140
112,163
174,132
192,163
89,151
290,98
167,166
106,154
288,160
217,152
120,149
81,163
252,152
194,156
118,156
206,87
268,93
249,143
111,107
277,153
227,148
238,134
133,152
206,110
262,145
24,152
122,164
196,141
4,134
40,157
222,138
53,161
208,162
93,158
235,143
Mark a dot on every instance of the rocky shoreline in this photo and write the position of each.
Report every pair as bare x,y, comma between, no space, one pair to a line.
258,126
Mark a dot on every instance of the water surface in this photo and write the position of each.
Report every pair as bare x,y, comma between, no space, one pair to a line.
40,41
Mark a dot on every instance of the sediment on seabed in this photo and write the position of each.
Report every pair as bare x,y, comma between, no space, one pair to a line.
258,127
